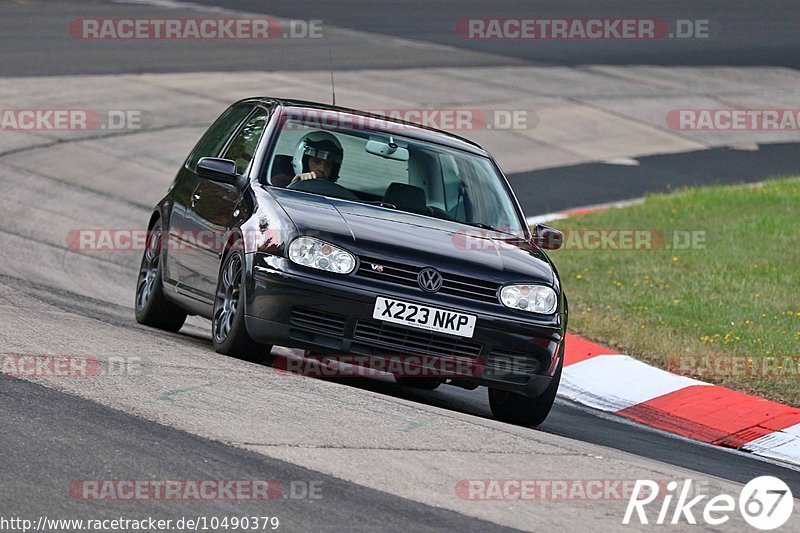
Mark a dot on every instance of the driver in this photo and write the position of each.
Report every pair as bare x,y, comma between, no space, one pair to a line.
318,155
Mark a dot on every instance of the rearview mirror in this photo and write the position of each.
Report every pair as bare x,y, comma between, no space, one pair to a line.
547,238
219,170
387,150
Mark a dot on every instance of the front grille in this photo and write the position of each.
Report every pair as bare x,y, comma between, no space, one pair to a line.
505,361
408,339
318,320
400,274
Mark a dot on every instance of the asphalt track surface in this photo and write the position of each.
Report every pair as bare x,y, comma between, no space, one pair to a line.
54,301
542,191
740,33
39,464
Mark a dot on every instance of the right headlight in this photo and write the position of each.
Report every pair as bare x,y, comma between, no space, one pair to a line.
314,253
531,298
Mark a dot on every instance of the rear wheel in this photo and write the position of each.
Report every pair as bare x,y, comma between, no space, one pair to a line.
522,410
228,331
151,308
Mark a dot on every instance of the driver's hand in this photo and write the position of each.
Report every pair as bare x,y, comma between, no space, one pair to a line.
305,176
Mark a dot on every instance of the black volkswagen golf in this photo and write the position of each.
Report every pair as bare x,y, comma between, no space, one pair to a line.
348,234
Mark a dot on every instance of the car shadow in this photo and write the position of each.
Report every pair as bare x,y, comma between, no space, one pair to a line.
452,398
449,397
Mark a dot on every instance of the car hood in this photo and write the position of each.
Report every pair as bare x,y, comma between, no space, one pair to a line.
383,233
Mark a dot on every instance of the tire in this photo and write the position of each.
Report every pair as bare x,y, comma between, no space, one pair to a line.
228,330
418,383
150,306
522,410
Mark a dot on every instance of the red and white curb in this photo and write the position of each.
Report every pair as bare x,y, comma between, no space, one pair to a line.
561,215
597,377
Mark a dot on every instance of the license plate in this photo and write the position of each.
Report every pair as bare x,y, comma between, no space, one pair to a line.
424,317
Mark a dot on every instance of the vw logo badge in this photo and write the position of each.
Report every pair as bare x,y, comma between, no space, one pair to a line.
429,279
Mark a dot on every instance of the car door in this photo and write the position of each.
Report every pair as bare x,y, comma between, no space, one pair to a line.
179,252
214,205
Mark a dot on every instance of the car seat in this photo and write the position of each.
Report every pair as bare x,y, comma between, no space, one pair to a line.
406,198
282,169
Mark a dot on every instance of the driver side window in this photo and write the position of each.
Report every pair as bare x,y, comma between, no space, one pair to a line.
216,136
243,146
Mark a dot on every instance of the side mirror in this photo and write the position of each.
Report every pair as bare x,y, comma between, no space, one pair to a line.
547,238
219,170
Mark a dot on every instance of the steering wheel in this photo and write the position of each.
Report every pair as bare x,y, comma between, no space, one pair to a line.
323,187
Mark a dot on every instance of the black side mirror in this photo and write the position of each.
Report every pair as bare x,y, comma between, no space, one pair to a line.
219,170
547,238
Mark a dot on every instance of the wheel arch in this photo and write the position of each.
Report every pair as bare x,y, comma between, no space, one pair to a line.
248,260
154,217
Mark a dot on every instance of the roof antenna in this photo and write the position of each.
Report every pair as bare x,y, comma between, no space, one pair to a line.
333,88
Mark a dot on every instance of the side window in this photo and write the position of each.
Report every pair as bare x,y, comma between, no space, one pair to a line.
216,136
243,146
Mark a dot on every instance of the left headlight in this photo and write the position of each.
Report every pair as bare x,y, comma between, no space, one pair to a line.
314,253
531,298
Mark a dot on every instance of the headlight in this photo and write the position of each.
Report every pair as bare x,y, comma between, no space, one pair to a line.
314,253
532,298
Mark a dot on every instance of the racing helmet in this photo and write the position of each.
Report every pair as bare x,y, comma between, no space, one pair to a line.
319,144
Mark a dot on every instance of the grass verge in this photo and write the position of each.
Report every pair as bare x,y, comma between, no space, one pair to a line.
715,296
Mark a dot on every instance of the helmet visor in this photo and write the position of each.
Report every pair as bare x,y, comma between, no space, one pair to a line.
323,150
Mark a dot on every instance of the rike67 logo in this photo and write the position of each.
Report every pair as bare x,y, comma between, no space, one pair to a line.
765,503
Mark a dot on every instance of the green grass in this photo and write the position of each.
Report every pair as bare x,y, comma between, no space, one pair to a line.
738,295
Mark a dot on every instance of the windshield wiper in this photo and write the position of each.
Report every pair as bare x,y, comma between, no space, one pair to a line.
487,226
379,203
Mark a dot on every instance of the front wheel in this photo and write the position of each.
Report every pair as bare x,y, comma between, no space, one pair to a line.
151,308
228,331
522,410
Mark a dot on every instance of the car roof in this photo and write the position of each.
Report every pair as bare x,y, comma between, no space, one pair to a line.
410,129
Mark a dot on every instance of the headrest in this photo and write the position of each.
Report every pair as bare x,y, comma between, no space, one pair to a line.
406,197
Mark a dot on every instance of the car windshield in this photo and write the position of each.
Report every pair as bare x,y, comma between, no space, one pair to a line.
383,167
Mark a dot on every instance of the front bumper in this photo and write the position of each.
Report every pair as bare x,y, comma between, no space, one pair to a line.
331,314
